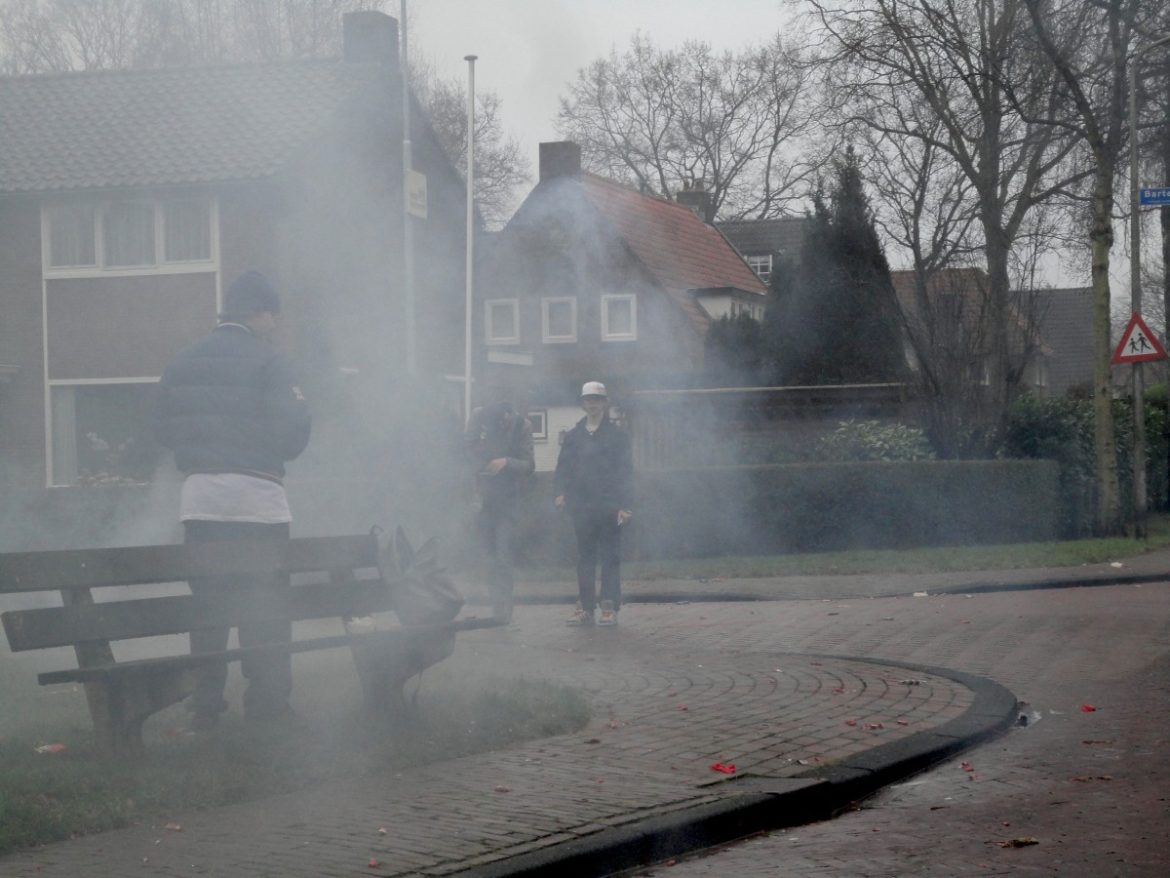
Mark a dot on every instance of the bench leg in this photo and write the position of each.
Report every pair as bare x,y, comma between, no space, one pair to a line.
384,667
120,704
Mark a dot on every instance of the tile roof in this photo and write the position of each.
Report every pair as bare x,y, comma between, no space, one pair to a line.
1066,322
782,235
175,125
679,250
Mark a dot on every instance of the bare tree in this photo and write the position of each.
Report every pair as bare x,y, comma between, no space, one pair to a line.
500,165
1089,45
930,82
661,118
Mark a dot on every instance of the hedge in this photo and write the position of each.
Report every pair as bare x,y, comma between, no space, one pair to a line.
818,507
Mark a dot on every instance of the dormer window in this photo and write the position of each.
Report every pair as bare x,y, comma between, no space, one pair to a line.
761,265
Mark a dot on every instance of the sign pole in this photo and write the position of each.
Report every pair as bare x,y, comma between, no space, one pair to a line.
1135,292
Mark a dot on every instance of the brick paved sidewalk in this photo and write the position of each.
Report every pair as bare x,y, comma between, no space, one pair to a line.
1092,789
676,689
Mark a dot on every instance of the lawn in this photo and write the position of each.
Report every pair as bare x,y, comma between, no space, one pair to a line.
944,559
47,796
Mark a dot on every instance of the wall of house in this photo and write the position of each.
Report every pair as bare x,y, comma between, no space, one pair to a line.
22,431
558,246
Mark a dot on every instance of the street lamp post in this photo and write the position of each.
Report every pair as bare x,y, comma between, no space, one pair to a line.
470,256
1140,500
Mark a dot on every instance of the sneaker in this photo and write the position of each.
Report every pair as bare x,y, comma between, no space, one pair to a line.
580,617
608,615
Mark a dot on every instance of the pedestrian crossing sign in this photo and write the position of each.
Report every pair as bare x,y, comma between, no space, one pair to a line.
1138,344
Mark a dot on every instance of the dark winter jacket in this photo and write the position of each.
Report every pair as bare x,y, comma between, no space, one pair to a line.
229,404
595,471
493,432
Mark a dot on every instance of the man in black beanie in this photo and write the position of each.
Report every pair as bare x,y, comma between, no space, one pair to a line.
233,415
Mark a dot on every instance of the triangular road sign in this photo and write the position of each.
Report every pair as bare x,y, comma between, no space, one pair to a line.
1138,344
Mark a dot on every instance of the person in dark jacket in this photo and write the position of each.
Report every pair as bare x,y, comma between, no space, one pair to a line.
594,482
499,445
229,408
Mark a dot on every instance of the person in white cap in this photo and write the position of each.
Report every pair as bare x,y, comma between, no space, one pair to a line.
594,482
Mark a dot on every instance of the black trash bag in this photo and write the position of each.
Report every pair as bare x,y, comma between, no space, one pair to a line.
421,592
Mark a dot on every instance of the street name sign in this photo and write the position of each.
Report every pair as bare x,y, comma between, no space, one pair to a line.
1138,344
1153,196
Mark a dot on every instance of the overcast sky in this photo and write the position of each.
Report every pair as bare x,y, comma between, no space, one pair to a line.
530,50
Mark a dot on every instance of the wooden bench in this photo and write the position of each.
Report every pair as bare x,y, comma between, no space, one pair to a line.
343,583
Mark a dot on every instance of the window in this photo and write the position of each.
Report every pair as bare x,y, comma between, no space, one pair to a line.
558,319
539,420
619,320
129,236
187,230
502,321
761,265
72,241
102,434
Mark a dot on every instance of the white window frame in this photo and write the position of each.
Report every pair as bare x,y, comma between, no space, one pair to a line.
160,265
761,264
488,305
539,420
546,335
606,334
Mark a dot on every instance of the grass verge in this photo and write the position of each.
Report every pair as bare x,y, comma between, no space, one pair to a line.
50,796
943,559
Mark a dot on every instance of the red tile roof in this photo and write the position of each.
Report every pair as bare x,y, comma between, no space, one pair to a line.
680,251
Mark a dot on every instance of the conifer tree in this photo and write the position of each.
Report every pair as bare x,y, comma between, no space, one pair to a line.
839,324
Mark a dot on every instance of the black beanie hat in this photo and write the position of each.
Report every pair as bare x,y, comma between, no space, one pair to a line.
250,294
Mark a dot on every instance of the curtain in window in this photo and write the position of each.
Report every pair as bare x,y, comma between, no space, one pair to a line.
71,236
128,232
187,230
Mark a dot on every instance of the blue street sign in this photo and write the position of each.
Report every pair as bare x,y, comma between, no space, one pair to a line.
1154,196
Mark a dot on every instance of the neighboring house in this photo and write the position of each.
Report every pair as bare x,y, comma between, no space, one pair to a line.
765,242
1066,325
591,280
130,199
950,320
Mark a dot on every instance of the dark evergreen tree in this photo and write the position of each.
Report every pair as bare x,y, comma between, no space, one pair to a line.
735,353
839,324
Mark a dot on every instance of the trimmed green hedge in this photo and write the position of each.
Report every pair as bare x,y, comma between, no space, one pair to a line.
818,507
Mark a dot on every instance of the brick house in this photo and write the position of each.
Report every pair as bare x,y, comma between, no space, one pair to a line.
592,280
130,199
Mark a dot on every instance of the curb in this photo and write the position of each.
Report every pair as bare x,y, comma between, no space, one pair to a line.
666,597
764,804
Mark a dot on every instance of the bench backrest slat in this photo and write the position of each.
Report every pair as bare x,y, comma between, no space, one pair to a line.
140,565
176,614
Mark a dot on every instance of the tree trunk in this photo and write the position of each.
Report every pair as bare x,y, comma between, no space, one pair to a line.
1109,521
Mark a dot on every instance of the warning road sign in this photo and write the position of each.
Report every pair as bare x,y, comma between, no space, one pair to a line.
1138,344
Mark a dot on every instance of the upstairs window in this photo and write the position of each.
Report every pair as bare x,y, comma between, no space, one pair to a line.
129,236
761,265
502,321
72,241
558,319
619,318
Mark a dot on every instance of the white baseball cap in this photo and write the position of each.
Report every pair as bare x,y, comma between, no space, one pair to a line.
593,388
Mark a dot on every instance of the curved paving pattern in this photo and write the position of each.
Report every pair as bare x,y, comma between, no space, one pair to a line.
675,689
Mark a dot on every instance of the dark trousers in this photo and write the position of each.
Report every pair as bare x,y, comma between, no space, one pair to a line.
269,676
599,539
496,525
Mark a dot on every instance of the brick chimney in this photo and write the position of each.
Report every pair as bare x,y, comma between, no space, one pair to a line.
560,158
369,37
694,195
